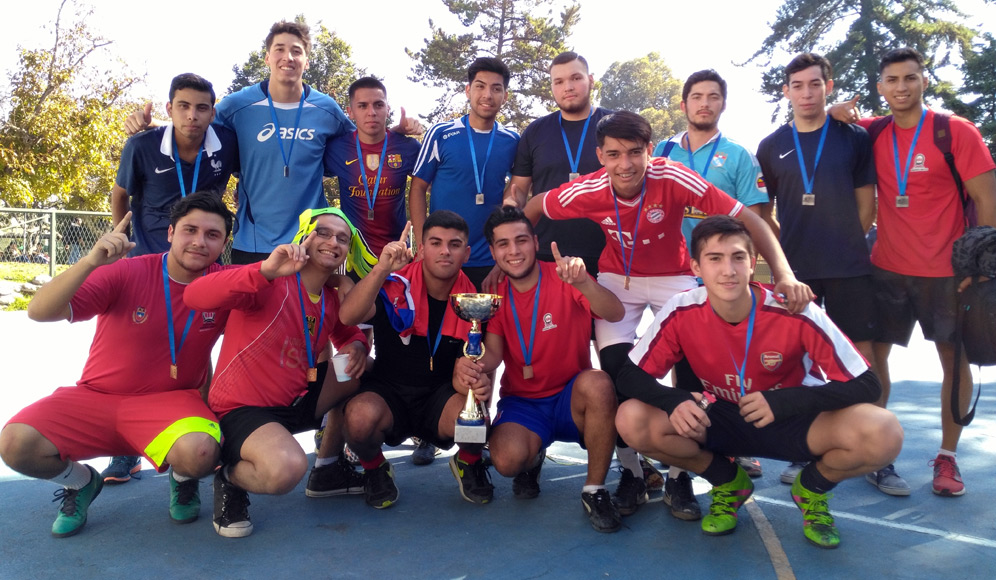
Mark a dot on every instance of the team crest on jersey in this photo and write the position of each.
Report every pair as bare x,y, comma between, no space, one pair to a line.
207,320
394,160
760,184
655,215
373,160
548,322
719,159
139,316
919,163
216,164
771,360
608,222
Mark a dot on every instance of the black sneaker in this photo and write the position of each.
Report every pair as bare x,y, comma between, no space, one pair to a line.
339,478
425,453
679,495
631,493
601,511
121,469
526,484
231,509
379,490
751,465
474,480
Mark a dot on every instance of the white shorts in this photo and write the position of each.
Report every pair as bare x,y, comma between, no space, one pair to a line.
652,291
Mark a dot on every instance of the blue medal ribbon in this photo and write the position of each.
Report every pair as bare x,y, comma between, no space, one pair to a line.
179,174
573,160
808,181
439,334
628,263
276,125
173,348
527,352
902,178
371,197
304,320
479,173
750,332
691,154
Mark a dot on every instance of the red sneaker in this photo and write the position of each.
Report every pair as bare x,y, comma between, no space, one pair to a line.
947,477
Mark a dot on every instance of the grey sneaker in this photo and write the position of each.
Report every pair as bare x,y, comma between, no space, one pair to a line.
789,473
425,453
888,481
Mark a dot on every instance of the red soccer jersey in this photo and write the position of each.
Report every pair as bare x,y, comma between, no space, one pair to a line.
130,350
917,240
786,350
264,359
563,331
660,247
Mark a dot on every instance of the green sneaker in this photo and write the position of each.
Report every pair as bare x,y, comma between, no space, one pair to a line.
184,500
726,500
817,523
75,502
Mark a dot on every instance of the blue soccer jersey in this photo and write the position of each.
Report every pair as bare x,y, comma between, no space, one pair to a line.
272,193
148,172
723,163
446,163
389,212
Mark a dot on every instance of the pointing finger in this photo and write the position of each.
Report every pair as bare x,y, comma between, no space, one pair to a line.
556,252
407,232
122,226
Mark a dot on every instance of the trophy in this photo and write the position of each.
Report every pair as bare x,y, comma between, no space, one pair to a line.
474,308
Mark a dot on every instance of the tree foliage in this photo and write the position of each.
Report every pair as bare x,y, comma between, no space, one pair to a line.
977,95
512,30
853,35
62,133
645,86
331,69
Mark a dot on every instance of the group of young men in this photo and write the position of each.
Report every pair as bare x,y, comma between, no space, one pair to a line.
588,226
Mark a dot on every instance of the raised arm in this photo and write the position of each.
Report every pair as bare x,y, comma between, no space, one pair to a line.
360,304
518,189
604,304
418,206
797,294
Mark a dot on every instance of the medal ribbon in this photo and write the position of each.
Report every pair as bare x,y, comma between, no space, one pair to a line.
439,334
371,197
628,263
750,332
902,178
179,174
808,181
276,125
304,319
479,173
571,159
173,348
712,153
527,353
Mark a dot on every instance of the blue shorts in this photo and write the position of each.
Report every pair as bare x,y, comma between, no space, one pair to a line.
549,417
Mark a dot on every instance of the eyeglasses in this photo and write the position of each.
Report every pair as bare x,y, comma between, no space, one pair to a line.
328,234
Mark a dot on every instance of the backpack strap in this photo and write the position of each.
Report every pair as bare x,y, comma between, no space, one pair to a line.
942,140
955,401
668,146
877,126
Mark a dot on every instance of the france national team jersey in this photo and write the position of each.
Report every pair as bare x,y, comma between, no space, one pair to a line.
445,162
270,199
723,163
148,172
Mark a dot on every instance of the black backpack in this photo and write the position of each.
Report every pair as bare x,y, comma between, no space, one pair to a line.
942,140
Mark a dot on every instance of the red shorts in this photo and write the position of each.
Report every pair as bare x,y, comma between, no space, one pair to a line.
83,423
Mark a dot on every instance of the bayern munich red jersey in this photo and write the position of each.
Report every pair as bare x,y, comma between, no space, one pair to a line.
660,246
563,333
786,350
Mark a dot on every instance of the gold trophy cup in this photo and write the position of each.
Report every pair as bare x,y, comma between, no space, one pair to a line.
475,309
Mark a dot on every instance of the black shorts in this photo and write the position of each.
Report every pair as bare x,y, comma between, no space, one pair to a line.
850,304
239,424
902,301
784,439
414,413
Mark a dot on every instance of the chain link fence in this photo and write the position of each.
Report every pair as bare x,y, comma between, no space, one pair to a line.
54,237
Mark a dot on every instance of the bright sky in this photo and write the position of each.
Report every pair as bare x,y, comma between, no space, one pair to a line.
690,36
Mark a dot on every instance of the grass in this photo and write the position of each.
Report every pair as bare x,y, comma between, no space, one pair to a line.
17,272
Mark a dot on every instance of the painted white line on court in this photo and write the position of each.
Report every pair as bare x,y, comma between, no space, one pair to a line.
954,536
779,559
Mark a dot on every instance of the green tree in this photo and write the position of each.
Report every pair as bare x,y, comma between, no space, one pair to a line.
853,35
331,67
512,30
977,95
645,86
61,136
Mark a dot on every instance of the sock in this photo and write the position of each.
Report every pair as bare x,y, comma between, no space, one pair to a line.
468,457
811,479
75,476
323,461
950,454
592,488
181,478
721,470
536,461
630,460
375,462
226,473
